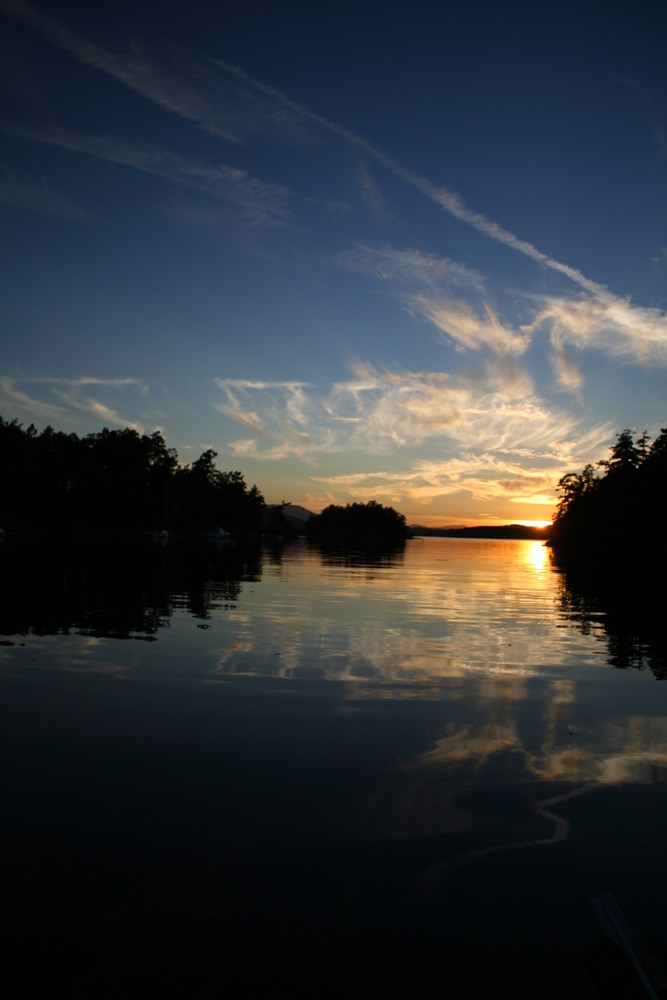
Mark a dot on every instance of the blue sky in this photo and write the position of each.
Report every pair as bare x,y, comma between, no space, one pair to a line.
416,255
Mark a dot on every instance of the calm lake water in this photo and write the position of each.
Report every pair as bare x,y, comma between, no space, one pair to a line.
316,770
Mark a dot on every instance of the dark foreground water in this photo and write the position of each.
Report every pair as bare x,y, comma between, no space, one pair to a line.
225,771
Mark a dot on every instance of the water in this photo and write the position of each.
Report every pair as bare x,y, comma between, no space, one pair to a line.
313,769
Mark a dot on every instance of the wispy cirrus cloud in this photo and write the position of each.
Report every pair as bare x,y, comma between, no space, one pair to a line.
479,476
85,380
458,321
14,399
258,202
370,191
373,410
449,201
426,437
493,434
213,95
411,271
97,409
223,100
606,323
378,412
394,408
294,393
453,298
181,87
432,288
630,324
525,472
33,396
278,413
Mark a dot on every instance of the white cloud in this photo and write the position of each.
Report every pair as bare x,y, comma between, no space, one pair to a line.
457,320
643,328
566,370
182,88
378,410
96,408
424,283
387,408
411,271
225,101
481,477
232,104
259,202
370,191
606,323
375,411
599,321
490,444
243,449
371,411
79,380
15,400
73,395
276,412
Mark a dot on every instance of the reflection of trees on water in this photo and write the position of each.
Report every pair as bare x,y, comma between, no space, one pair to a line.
370,557
581,608
209,576
91,587
628,611
118,589
609,538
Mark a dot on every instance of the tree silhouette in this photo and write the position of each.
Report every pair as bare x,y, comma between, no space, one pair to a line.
358,524
115,480
615,517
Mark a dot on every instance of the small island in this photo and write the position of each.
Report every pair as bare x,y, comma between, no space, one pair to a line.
359,525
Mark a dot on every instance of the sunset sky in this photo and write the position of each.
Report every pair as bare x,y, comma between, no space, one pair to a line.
410,253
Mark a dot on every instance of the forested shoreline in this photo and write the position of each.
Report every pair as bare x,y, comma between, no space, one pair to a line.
116,481
612,515
120,481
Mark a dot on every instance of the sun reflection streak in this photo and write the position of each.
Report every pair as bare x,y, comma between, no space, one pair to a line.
538,556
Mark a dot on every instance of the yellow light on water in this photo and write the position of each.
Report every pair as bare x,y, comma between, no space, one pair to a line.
538,556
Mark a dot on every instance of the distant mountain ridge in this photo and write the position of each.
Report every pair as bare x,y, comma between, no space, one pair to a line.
297,517
295,512
520,531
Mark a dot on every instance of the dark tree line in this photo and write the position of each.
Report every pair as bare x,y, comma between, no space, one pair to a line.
358,524
614,513
116,480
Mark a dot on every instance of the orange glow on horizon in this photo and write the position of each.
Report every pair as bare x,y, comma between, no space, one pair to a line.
435,521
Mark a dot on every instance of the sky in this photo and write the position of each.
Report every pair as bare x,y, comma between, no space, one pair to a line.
409,253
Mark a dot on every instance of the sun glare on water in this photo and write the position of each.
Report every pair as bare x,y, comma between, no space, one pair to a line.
538,556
